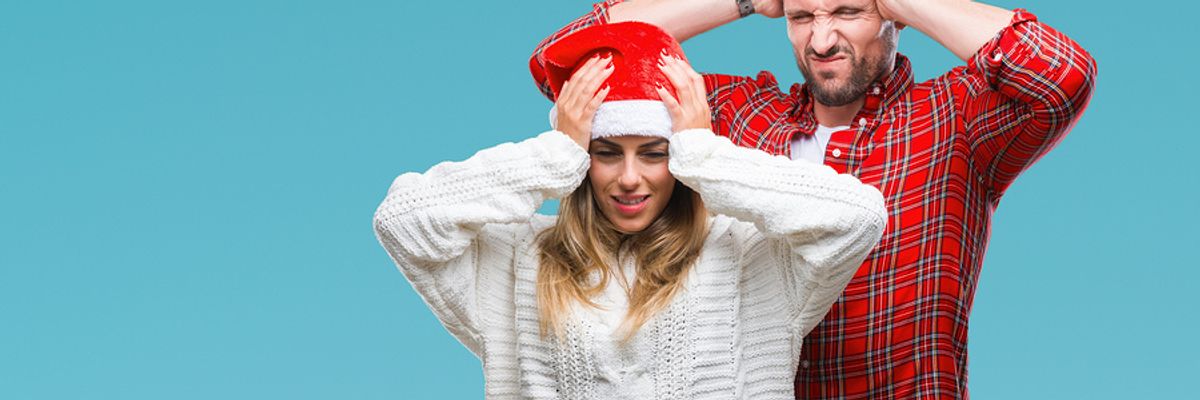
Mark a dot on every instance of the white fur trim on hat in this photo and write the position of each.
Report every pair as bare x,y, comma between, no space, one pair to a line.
627,118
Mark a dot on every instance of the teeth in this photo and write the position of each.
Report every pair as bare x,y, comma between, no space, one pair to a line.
631,202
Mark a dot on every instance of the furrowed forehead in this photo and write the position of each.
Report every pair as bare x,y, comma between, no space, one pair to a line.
792,6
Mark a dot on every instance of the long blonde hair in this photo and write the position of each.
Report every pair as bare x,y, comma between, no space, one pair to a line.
583,242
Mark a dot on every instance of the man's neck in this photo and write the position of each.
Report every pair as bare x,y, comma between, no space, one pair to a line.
837,115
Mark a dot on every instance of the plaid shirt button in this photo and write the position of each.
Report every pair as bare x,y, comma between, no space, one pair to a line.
837,152
804,363
862,121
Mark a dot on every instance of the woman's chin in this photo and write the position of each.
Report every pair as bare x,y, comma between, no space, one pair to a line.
629,227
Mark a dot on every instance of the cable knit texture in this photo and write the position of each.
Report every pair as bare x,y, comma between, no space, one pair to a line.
785,238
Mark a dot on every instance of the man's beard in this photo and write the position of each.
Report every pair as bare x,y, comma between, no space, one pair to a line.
863,72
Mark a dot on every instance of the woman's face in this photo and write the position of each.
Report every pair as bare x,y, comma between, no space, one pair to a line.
630,180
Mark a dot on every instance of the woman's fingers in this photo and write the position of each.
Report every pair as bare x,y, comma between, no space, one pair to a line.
688,83
589,87
596,100
673,73
669,101
580,97
689,102
589,77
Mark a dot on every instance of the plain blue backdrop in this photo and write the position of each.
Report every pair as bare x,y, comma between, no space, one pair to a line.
187,191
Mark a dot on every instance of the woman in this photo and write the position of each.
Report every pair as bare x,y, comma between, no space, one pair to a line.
635,290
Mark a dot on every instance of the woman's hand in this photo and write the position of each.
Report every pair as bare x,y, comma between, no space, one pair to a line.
689,106
579,99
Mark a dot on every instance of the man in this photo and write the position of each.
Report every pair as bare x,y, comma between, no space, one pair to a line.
942,152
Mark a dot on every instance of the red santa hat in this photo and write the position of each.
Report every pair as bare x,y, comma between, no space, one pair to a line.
632,106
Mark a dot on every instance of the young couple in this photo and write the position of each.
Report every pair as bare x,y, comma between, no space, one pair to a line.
682,265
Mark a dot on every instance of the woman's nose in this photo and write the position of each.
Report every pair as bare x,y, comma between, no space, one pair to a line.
630,175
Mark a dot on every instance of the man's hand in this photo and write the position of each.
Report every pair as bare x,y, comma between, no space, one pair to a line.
769,8
888,9
961,26
688,107
578,100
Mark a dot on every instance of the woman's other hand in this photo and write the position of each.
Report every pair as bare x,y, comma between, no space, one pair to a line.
580,97
688,107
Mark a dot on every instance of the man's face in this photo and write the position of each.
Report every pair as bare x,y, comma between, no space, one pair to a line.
841,46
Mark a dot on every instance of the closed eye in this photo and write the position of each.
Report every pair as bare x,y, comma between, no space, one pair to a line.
847,12
801,17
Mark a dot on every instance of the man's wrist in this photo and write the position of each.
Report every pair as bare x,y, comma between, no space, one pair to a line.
768,8
746,7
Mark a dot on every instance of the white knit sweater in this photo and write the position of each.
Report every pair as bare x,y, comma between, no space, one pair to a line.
785,239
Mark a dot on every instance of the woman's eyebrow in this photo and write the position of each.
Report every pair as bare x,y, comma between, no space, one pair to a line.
655,143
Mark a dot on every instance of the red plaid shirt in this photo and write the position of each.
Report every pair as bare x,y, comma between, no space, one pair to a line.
942,152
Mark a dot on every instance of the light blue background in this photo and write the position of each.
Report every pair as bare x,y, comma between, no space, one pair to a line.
187,189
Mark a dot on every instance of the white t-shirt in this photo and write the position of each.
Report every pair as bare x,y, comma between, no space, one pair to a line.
811,148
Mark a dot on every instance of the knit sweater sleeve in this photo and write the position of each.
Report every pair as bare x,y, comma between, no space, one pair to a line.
438,226
826,221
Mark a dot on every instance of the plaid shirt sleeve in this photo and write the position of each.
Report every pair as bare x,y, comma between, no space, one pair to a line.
1024,90
598,16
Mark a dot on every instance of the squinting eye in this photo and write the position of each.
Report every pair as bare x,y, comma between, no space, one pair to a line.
803,19
606,153
655,155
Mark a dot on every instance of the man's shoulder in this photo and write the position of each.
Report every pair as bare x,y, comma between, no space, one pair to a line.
738,91
764,81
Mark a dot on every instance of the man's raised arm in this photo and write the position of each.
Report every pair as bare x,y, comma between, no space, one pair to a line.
1028,83
961,26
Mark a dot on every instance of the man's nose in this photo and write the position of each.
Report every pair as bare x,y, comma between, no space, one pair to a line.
824,35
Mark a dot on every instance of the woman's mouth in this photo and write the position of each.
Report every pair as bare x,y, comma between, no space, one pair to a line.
630,205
